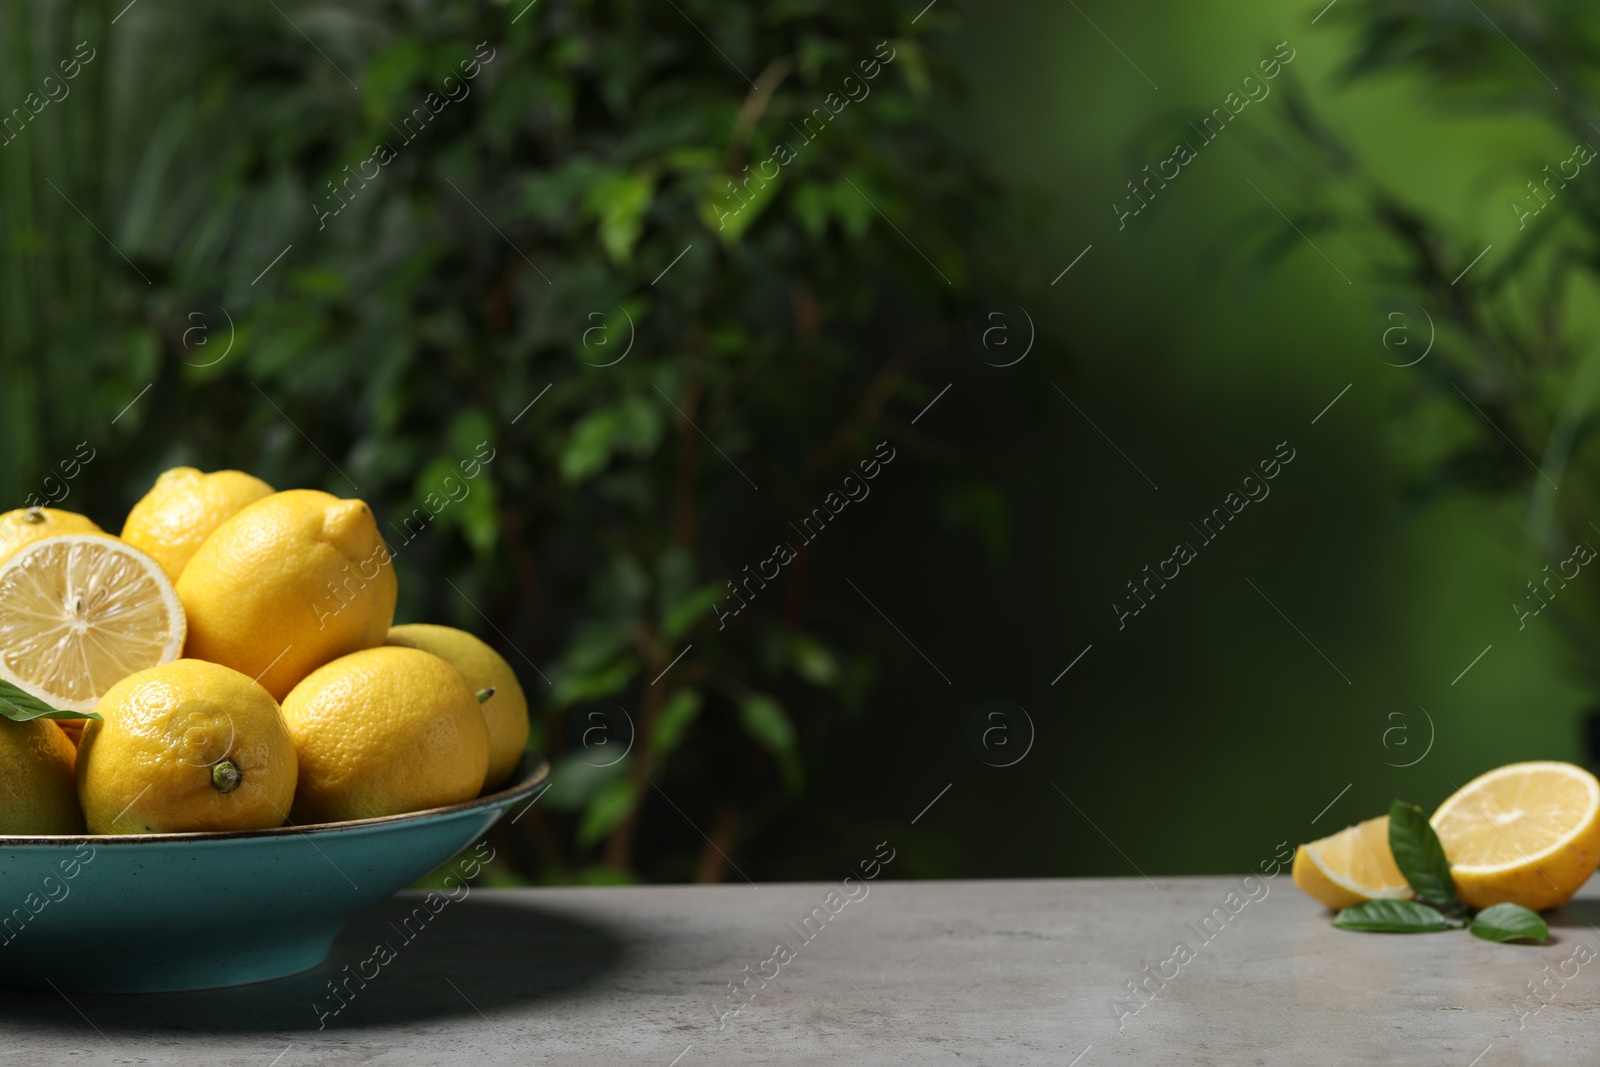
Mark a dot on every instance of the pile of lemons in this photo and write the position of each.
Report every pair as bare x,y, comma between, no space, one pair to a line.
237,645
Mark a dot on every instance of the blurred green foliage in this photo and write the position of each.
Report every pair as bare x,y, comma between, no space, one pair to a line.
352,246
1505,398
518,243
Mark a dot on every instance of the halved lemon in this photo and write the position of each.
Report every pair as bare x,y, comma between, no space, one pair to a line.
81,612
1351,867
1527,833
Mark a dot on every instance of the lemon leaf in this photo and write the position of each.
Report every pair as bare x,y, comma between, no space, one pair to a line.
1420,856
1509,922
1393,917
18,705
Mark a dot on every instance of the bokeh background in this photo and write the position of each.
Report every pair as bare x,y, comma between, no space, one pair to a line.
174,289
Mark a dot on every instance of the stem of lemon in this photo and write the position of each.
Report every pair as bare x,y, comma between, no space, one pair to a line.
33,515
485,693
225,776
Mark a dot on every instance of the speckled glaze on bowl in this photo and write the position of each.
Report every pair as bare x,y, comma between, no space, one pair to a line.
162,912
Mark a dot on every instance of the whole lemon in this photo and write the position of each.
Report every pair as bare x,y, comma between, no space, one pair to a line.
292,581
182,510
505,708
37,795
27,525
383,732
187,746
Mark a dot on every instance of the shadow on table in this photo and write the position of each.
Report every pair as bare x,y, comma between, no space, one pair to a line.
1575,916
478,956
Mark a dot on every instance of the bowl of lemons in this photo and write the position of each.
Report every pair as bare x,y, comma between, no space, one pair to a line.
216,747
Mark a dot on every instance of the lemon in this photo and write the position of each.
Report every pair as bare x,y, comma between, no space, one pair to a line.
382,732
73,728
182,510
37,794
1351,866
505,708
290,582
1525,833
80,612
187,746
27,525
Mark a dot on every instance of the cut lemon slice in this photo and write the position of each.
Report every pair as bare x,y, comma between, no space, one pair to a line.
1351,866
80,612
1527,833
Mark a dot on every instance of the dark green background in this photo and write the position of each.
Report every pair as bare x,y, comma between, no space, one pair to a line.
1209,730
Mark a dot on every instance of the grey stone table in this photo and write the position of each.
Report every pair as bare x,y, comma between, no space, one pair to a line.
929,973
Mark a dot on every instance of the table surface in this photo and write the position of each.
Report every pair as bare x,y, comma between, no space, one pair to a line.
998,972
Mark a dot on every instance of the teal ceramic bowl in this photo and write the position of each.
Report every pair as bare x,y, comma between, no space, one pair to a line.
163,912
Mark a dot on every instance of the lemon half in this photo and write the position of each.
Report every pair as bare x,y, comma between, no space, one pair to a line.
80,612
1525,833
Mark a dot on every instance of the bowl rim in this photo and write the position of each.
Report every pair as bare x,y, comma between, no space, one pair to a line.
531,773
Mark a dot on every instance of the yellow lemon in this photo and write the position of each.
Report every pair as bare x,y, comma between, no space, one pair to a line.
1525,833
80,612
383,732
37,794
184,747
1351,866
27,525
73,728
292,581
182,510
505,708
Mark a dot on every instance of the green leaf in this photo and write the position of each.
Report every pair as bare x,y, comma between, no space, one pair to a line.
575,782
633,425
1509,922
764,720
677,715
814,662
588,450
852,209
553,196
811,205
620,202
596,646
591,685
689,610
470,433
914,64
389,73
1420,856
477,517
606,812
21,706
638,425
1393,917
320,281
729,208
